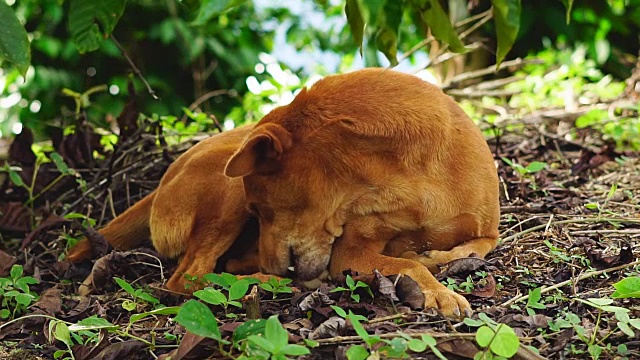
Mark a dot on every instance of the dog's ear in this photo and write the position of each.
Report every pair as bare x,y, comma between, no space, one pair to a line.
261,151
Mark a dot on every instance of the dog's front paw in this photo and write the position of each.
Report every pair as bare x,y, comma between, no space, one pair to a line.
449,303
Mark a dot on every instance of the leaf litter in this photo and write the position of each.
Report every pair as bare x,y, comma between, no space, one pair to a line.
561,229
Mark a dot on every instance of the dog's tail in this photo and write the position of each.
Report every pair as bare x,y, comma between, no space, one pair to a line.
125,232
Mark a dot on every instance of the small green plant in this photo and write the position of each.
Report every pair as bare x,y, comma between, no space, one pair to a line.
393,348
534,301
274,343
16,179
137,294
498,340
15,293
276,287
601,208
213,296
352,286
626,324
527,172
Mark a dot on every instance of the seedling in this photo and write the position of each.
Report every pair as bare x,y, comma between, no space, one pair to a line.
352,286
140,296
527,172
15,293
497,340
534,301
273,344
276,287
215,297
392,348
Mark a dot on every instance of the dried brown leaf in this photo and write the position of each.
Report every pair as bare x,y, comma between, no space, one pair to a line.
486,291
332,327
409,292
121,350
461,266
50,301
385,286
315,300
6,262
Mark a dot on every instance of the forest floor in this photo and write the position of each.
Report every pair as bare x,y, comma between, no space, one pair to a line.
569,231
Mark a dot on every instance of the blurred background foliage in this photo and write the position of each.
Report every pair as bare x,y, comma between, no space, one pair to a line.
240,63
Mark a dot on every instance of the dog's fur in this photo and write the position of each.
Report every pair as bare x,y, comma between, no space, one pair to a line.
196,213
369,170
378,166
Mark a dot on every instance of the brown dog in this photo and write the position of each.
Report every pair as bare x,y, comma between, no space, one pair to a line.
379,167
196,213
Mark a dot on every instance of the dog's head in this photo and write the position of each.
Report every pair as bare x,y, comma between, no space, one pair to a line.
289,193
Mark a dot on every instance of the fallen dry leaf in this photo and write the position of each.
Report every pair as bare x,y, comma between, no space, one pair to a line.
385,286
332,327
487,290
6,262
409,292
461,266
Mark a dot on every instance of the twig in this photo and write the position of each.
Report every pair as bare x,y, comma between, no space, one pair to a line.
491,69
135,68
586,275
206,97
620,231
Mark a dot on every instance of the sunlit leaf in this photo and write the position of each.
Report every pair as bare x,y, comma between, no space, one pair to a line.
506,14
355,21
14,44
442,29
213,8
198,319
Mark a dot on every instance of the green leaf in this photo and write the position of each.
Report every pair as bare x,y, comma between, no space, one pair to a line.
5,313
484,334
148,298
14,43
275,333
24,299
357,326
387,35
16,272
129,305
417,345
535,166
92,323
350,282
61,332
507,18
473,322
211,296
125,286
15,178
357,352
355,21
248,328
262,343
438,21
506,342
171,310
626,329
213,8
59,162
238,289
90,22
294,350
339,311
198,319
627,288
